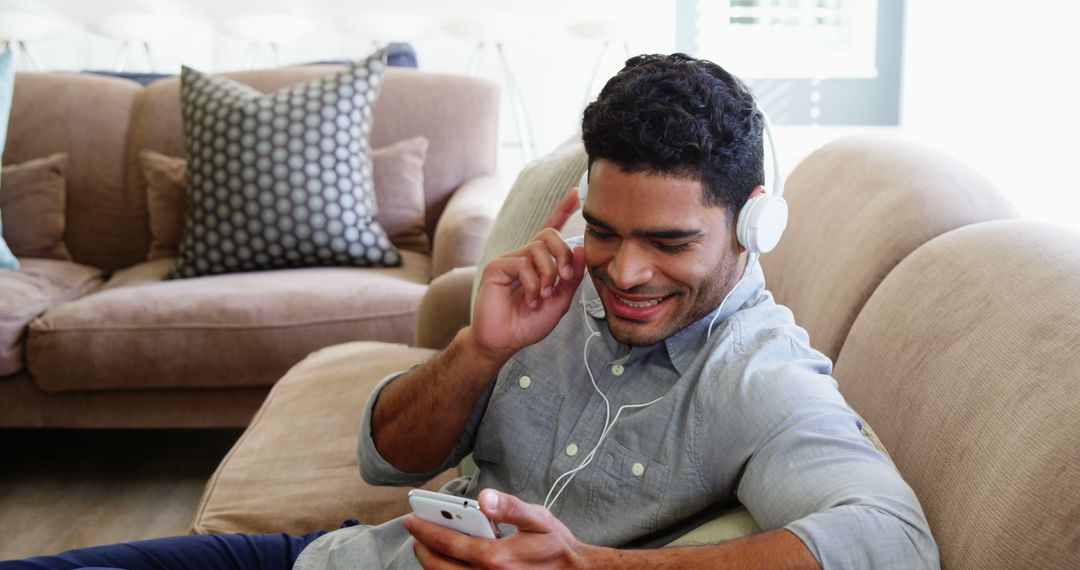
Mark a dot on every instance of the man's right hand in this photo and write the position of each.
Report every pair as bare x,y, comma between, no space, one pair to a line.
525,292
417,418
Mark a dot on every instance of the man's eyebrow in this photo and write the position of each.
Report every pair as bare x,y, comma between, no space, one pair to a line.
660,233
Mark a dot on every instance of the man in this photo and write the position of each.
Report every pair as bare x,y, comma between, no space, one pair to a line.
607,412
746,411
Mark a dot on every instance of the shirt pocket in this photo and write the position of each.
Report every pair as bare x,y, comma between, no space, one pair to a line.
518,426
630,487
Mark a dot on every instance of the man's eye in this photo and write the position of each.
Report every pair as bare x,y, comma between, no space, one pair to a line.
599,234
673,247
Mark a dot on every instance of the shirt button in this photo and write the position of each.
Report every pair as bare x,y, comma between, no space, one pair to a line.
524,381
617,369
637,469
571,449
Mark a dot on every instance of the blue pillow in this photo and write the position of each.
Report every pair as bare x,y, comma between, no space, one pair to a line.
7,83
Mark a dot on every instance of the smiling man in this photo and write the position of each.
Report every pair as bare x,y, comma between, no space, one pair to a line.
606,415
606,412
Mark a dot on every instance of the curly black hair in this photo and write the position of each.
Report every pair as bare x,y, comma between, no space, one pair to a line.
678,115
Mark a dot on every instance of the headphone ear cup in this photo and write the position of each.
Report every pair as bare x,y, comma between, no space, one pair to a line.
761,223
583,187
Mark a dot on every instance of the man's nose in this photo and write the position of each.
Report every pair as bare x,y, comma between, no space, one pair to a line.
630,266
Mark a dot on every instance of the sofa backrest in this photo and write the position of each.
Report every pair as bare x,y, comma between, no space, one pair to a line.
87,117
102,123
858,206
965,362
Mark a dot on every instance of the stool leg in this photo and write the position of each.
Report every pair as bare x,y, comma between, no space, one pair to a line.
595,72
121,58
476,59
149,56
517,100
28,53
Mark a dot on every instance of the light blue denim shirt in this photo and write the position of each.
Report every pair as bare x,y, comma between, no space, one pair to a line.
748,414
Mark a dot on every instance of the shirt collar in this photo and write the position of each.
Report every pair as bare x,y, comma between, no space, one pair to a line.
683,346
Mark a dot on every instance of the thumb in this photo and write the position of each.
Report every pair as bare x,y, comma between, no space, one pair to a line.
577,265
502,507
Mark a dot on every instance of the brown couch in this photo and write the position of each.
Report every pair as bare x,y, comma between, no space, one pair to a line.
953,327
103,341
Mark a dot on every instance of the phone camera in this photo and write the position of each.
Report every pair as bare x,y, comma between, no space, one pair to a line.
446,515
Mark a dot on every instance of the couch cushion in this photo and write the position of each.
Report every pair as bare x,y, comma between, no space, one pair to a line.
964,359
857,207
32,206
231,330
28,292
281,180
87,117
295,468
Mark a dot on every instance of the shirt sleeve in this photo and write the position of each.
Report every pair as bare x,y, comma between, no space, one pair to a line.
376,470
810,470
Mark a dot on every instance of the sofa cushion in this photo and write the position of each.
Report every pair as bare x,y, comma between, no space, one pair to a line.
36,286
398,170
857,207
964,359
295,468
242,329
87,117
32,205
281,180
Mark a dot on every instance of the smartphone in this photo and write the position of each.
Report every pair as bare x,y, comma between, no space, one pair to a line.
457,513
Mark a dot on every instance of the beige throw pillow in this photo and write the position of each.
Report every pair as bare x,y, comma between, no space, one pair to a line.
32,203
398,171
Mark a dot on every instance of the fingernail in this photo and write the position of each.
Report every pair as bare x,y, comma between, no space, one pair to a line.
546,292
491,500
532,304
566,271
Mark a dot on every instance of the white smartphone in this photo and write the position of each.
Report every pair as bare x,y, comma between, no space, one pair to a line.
457,513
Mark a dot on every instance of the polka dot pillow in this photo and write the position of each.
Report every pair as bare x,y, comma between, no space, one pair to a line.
280,180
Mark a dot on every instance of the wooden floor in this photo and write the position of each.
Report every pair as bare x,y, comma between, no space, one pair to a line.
62,489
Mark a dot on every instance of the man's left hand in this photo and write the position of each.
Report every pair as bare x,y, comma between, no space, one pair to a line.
541,541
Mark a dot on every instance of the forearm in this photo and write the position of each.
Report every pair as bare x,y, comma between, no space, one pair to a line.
418,417
778,549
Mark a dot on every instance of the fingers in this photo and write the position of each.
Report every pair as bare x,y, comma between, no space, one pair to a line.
526,517
563,210
536,267
431,560
442,546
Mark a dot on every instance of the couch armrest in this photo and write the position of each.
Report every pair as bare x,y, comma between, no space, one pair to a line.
465,223
445,308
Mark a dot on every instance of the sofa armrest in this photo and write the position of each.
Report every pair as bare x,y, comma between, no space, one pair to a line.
465,223
445,308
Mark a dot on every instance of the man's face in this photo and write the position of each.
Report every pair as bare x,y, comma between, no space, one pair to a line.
659,257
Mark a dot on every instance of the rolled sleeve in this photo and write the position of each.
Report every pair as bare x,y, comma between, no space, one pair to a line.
376,470
816,475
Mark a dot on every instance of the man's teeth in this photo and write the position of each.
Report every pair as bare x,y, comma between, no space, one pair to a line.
639,304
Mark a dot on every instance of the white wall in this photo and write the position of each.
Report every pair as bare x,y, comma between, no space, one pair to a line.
988,81
552,65
994,83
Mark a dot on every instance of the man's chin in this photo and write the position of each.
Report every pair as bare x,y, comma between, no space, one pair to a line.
635,334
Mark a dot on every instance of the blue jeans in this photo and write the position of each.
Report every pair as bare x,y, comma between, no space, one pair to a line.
194,552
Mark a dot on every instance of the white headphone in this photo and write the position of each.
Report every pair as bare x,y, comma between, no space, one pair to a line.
761,220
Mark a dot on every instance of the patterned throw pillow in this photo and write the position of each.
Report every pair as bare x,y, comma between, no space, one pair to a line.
280,180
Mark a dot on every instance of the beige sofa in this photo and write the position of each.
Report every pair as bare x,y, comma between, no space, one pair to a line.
953,326
103,341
